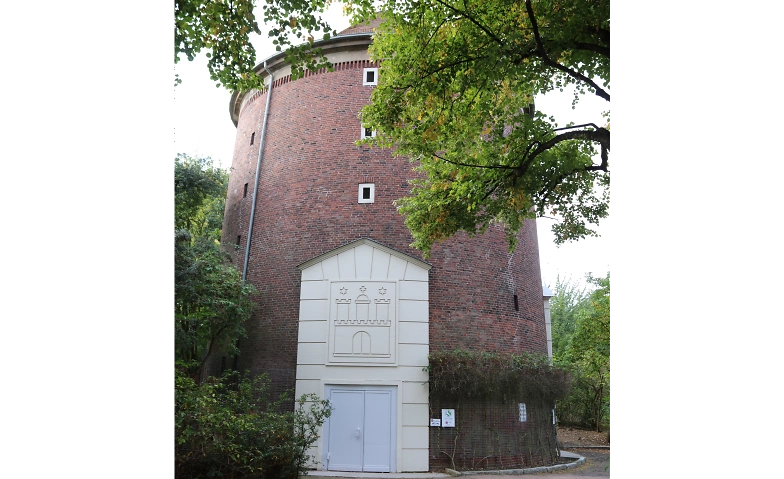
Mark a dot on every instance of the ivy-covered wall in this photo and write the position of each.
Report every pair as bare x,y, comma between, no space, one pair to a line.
486,391
488,434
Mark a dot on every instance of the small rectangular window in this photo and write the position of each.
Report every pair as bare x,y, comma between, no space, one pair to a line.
252,137
245,191
239,239
517,306
366,193
370,76
368,133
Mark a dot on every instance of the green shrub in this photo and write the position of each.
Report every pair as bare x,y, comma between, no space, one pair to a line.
588,402
228,427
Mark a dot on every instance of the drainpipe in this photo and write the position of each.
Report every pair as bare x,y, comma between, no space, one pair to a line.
258,170
547,294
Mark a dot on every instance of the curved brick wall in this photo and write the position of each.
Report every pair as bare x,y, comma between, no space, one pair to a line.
307,205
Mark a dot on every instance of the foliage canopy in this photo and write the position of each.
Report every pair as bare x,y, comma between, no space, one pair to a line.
211,302
456,95
581,344
223,28
568,302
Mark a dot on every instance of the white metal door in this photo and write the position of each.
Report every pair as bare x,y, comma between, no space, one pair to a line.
361,430
378,429
345,430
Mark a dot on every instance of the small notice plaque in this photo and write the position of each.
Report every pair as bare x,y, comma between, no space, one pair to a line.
448,418
435,423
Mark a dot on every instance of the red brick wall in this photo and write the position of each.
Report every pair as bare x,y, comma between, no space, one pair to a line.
472,288
307,205
243,170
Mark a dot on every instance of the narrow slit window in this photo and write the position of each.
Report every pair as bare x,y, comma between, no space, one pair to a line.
366,193
370,76
239,239
517,305
245,191
252,137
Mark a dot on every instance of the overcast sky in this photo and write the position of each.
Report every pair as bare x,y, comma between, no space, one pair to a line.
202,126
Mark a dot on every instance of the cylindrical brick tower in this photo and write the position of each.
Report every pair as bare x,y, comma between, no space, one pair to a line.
346,308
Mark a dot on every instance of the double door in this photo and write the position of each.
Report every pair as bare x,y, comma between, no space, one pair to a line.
362,429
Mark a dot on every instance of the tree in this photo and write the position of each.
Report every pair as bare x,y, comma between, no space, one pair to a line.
592,331
590,351
569,300
583,338
211,302
199,196
456,95
223,27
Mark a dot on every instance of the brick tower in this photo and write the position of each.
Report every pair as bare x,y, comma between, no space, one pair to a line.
346,309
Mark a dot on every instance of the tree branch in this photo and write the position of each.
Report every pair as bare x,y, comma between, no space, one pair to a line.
598,49
540,47
600,135
576,126
450,65
502,167
549,188
495,186
209,349
471,19
434,34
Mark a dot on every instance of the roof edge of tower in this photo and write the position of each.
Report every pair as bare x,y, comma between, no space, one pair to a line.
278,60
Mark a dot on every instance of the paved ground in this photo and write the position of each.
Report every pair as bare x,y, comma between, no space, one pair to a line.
596,462
594,465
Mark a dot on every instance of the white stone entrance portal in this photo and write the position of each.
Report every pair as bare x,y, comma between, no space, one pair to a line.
363,344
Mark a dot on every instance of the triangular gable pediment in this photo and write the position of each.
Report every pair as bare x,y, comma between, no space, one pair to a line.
372,244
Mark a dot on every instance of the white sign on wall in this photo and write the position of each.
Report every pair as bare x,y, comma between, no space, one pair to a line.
435,423
447,418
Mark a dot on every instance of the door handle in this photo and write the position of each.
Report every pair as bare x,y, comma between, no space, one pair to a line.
357,433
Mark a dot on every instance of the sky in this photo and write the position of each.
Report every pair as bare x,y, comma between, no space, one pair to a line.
202,126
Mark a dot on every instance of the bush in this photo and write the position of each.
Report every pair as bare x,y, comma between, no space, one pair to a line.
588,402
228,427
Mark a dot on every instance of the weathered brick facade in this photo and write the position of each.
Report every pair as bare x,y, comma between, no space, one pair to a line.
307,205
490,435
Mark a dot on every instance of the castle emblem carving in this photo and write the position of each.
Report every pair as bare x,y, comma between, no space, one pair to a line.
362,322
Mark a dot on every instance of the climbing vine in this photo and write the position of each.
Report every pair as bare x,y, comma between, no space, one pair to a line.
462,374
487,392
